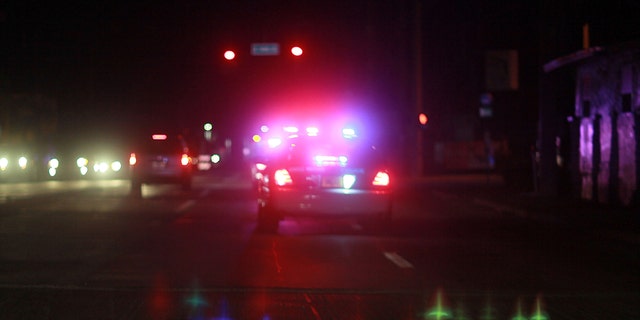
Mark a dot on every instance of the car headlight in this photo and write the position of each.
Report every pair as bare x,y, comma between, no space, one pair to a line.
100,167
22,162
54,163
82,162
116,166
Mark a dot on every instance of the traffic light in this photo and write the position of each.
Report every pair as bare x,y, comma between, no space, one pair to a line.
229,55
296,51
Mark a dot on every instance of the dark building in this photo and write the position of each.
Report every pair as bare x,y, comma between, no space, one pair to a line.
494,103
604,124
588,101
480,87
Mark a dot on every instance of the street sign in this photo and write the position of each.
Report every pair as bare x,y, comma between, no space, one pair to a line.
486,108
265,49
486,112
486,99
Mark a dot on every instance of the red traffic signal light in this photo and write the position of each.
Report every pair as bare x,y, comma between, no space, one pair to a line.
229,55
296,51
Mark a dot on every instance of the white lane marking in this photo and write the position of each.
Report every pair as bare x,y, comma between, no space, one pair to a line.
186,205
398,260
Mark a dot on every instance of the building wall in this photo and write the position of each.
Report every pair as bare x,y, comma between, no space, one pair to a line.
586,158
607,104
628,169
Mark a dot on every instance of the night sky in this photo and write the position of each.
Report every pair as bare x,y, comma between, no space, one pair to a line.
120,65
116,66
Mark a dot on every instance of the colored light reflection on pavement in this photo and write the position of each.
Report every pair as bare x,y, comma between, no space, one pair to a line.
489,312
160,300
539,313
439,310
519,315
196,303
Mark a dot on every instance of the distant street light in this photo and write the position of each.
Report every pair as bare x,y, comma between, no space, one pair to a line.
423,119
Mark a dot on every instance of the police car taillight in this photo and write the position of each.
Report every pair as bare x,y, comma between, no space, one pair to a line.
185,160
381,179
282,177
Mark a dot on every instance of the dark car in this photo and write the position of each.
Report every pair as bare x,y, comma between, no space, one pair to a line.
325,178
161,158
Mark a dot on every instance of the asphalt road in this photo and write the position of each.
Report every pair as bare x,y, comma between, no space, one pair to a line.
87,250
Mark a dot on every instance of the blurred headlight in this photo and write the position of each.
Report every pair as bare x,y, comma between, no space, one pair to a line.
215,158
22,162
83,170
101,167
116,166
52,171
4,163
82,162
54,163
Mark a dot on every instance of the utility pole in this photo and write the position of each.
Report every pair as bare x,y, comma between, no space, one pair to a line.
418,75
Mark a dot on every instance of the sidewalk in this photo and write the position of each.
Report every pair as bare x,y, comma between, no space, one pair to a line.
491,191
